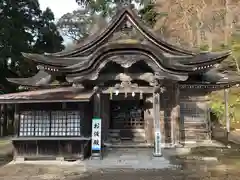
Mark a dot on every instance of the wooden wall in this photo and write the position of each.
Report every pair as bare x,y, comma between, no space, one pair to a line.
47,146
194,115
45,149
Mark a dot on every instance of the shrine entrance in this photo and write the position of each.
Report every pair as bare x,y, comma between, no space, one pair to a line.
127,125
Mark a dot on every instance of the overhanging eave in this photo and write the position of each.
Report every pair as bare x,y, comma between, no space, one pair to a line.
66,94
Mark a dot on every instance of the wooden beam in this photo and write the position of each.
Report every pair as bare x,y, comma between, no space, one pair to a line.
107,90
146,76
23,101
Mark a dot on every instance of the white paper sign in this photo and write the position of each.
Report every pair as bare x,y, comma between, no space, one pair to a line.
96,134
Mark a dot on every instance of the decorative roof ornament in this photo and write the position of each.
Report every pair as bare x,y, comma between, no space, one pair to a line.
125,2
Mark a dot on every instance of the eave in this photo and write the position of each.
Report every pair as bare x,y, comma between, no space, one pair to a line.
103,54
42,78
200,62
213,80
64,94
53,62
207,58
151,52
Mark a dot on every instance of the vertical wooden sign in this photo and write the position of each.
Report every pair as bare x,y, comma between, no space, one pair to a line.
96,138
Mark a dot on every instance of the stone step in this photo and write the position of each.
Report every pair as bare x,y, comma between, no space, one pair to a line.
128,145
113,134
114,140
196,135
132,130
195,125
196,130
131,135
135,139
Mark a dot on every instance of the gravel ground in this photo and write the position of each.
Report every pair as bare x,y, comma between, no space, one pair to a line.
190,171
39,172
228,168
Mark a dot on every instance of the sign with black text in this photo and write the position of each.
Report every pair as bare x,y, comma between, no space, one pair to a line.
158,143
96,134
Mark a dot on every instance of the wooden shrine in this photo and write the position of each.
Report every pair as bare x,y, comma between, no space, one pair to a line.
146,92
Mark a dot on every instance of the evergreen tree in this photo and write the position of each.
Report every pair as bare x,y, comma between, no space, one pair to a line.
24,28
79,24
49,38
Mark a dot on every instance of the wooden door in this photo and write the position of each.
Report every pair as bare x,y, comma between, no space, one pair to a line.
127,116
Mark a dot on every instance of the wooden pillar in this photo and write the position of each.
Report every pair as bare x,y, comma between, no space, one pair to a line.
97,154
226,112
175,119
96,106
148,117
16,120
157,128
105,115
181,118
1,119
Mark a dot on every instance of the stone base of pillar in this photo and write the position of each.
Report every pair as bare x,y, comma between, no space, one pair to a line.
157,154
96,156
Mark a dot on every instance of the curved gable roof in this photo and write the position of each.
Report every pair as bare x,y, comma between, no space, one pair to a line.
123,15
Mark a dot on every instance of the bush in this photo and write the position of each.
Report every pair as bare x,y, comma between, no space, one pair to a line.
218,107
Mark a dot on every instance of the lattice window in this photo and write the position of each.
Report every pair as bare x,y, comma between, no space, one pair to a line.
66,123
126,115
26,123
136,119
73,123
59,123
42,123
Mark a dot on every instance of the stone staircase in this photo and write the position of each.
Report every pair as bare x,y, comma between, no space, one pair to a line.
195,131
126,138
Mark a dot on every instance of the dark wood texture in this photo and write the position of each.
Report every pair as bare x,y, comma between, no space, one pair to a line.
194,117
49,148
127,114
75,146
105,105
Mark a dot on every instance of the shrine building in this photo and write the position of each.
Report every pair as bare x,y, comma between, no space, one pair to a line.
144,91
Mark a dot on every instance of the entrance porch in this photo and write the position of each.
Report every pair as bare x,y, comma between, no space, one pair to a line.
132,118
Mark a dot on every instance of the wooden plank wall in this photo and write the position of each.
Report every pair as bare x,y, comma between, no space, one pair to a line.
194,117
